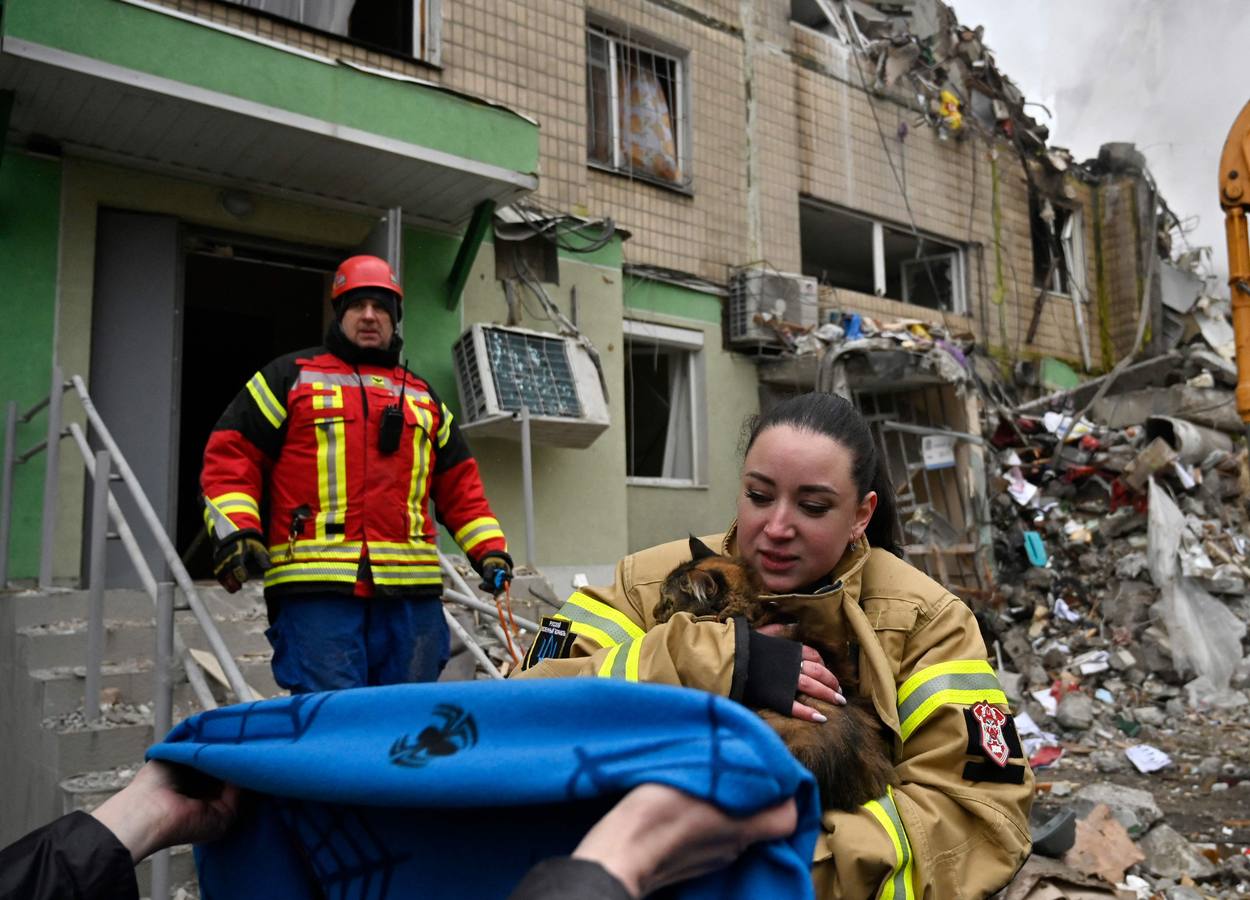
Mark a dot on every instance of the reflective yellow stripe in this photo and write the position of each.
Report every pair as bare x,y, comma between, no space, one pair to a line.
484,529
473,526
311,571
962,681
420,474
585,609
235,501
331,473
330,398
600,637
609,661
444,430
266,402
885,811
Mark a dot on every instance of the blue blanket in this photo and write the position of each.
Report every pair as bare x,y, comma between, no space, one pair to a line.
455,790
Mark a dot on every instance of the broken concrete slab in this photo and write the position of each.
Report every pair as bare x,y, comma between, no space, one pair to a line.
1135,809
1168,855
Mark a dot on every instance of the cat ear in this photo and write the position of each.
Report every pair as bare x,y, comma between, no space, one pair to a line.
700,550
702,585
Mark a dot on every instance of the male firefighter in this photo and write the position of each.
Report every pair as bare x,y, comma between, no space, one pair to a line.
347,448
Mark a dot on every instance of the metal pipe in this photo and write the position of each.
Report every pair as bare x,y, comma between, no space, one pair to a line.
162,687
162,711
483,607
6,490
95,594
211,634
34,410
924,430
195,675
527,485
472,645
51,472
32,452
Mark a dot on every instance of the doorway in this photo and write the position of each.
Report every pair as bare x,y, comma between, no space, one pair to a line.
245,303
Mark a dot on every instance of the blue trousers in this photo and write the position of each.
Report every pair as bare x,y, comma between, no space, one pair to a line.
325,641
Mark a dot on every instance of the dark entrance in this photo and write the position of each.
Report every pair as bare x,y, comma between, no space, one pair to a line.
244,304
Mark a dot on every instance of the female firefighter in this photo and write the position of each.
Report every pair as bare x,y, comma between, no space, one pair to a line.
815,523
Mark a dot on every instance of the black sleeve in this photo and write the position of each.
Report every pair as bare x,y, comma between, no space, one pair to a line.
75,856
766,669
565,878
244,416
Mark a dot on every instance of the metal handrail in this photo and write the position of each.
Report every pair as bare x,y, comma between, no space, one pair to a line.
114,459
181,578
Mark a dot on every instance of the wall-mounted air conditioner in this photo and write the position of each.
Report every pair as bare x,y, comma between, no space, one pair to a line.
498,368
756,291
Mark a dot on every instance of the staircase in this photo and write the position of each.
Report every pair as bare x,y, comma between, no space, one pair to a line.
51,760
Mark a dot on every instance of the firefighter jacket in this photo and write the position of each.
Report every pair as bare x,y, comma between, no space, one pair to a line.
957,825
302,436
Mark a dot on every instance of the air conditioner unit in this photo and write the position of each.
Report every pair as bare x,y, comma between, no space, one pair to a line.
498,368
755,291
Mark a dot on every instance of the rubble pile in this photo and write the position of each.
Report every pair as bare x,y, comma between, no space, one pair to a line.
1122,547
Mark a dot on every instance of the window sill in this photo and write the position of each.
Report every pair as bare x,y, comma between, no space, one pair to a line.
679,483
684,189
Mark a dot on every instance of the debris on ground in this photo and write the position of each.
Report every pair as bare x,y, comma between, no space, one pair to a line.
1122,548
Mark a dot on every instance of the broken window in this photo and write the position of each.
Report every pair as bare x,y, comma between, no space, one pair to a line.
857,253
663,404
817,15
635,107
1058,250
405,27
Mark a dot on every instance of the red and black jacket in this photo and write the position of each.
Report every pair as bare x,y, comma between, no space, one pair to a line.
302,436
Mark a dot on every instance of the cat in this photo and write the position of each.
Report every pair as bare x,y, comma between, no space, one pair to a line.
849,754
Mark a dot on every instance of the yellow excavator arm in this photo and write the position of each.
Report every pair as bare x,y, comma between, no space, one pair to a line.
1235,198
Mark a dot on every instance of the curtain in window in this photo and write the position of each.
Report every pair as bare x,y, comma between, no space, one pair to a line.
648,141
679,436
328,15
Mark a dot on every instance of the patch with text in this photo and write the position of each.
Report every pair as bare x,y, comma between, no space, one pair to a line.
555,637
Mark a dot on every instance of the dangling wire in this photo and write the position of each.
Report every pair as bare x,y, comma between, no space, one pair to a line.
501,601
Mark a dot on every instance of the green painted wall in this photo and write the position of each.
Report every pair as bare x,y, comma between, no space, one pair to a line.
172,48
579,495
30,196
659,514
646,295
429,327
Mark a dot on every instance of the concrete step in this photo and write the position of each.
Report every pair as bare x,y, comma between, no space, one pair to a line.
59,690
56,605
82,748
45,608
64,643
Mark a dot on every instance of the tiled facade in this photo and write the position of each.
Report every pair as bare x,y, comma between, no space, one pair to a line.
778,112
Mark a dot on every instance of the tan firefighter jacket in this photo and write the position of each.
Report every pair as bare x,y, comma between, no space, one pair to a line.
957,826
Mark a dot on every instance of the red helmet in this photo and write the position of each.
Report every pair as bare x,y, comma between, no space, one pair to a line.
364,271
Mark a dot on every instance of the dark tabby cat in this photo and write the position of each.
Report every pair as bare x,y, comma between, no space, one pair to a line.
849,754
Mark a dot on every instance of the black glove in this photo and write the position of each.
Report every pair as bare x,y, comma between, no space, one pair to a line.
496,569
239,557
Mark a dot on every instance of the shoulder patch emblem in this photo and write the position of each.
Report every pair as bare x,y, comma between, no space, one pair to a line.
555,637
990,719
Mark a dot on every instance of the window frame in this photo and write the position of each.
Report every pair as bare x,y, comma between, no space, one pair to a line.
937,248
690,343
610,31
427,22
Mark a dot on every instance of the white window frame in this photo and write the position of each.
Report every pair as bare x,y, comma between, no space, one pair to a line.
427,26
956,251
690,341
610,33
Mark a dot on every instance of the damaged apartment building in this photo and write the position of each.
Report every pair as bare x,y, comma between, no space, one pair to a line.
641,219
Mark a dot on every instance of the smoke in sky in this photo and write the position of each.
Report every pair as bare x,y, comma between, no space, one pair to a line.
1166,75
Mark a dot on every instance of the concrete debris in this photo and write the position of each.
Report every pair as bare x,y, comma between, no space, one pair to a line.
1169,855
1119,615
